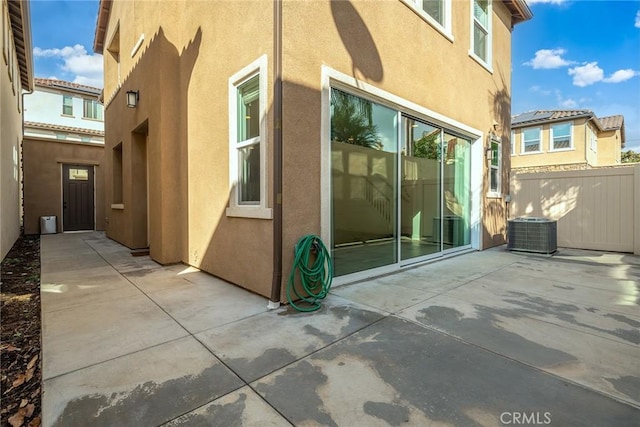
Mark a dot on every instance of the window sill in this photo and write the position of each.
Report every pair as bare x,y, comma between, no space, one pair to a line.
562,149
492,195
446,32
92,120
117,206
531,152
481,61
256,212
68,116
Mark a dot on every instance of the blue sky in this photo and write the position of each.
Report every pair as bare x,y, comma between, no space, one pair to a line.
580,54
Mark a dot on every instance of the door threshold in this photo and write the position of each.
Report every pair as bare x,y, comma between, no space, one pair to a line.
140,252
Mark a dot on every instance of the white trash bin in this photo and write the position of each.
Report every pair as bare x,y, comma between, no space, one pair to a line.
48,225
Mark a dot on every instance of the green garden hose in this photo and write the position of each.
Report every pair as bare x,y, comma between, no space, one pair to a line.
315,274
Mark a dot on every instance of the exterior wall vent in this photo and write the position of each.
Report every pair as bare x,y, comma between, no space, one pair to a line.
533,235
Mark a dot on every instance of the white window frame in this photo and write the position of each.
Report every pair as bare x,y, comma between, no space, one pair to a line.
235,209
445,27
498,168
486,63
524,145
552,142
95,107
593,140
513,143
64,105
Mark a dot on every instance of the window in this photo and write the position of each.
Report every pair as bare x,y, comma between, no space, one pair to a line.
513,143
481,31
67,105
247,152
531,140
91,109
495,167
435,12
561,137
78,174
593,140
117,174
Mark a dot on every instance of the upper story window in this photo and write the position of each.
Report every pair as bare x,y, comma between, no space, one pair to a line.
67,105
561,137
531,140
436,12
593,139
513,143
92,109
481,31
247,145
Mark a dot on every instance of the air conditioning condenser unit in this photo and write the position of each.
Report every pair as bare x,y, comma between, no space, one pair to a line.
532,235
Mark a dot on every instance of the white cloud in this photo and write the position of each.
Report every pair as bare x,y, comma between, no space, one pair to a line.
548,59
621,76
591,73
84,67
637,23
587,74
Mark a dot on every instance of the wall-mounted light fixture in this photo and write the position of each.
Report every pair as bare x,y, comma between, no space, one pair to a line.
132,98
495,125
488,153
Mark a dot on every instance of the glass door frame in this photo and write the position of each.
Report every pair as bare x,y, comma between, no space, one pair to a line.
332,78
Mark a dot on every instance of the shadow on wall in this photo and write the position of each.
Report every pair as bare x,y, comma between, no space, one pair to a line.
358,41
155,140
496,211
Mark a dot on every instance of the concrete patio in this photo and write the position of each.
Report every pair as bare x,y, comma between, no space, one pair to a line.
485,338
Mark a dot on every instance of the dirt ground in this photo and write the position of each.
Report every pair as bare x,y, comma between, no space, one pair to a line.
20,356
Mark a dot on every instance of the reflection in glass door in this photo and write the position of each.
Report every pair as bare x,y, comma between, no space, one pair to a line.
420,190
400,187
364,158
456,231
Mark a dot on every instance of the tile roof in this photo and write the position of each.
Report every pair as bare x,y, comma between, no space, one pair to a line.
69,129
61,84
539,116
612,122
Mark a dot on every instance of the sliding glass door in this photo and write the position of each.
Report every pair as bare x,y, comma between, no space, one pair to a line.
364,151
421,189
400,187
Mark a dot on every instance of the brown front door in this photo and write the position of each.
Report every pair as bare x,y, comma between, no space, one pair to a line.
77,197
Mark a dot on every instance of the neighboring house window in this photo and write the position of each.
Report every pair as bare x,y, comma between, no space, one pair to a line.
60,135
481,31
531,140
593,140
67,105
247,131
495,167
513,143
92,109
561,137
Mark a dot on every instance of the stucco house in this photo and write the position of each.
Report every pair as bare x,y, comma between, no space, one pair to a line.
234,128
548,140
63,150
16,77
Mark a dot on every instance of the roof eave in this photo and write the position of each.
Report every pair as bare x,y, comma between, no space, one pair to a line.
519,10
20,16
104,9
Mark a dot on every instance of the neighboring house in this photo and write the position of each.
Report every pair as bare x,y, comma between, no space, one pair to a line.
235,128
548,140
63,150
16,77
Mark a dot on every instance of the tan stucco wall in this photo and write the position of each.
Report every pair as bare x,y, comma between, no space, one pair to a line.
182,72
43,160
11,136
609,148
